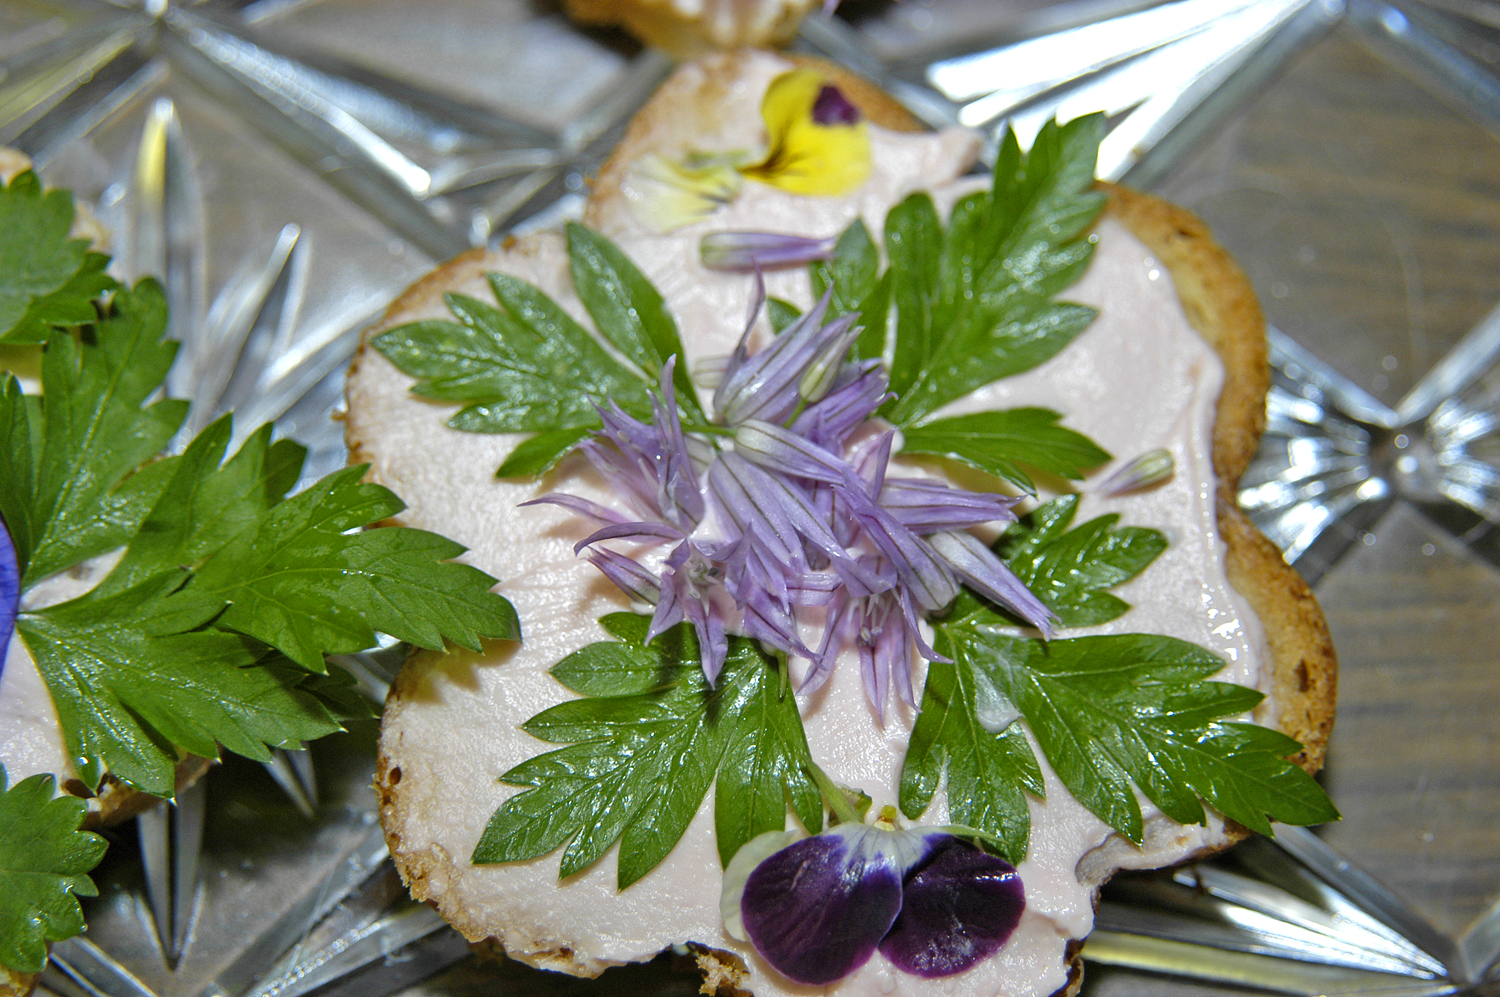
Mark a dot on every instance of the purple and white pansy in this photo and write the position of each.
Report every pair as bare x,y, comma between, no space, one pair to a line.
817,908
10,590
782,511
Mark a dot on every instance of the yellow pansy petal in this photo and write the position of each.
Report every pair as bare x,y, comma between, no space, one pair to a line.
807,157
667,195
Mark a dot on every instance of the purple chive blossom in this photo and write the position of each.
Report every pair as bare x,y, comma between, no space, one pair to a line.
818,908
632,579
746,252
10,590
784,507
1150,468
833,108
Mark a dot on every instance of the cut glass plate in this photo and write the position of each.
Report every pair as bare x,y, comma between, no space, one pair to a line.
288,166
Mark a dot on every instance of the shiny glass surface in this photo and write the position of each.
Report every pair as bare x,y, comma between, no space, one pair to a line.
290,165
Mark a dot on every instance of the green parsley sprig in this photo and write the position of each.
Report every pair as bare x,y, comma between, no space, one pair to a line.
212,628
44,862
1109,713
645,744
1106,711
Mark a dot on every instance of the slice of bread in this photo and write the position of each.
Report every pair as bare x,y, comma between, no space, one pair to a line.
451,721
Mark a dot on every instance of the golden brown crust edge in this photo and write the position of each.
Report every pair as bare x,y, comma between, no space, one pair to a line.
1221,306
14,984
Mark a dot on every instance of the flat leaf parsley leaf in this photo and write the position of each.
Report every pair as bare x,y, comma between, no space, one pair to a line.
78,494
47,278
44,861
1070,569
974,300
644,747
987,770
228,593
528,367
1110,712
998,442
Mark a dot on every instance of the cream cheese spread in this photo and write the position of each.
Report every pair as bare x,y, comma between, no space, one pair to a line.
31,738
1139,378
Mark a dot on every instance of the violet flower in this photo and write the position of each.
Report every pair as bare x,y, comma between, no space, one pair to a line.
10,590
818,908
783,505
1150,468
746,252
833,108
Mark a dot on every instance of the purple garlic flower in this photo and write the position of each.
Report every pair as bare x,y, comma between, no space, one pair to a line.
1150,468
784,506
817,908
10,590
746,252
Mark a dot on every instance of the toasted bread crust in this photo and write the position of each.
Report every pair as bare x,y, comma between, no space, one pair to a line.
1220,305
14,984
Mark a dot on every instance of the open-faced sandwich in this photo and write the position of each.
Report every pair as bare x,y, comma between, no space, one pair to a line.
863,643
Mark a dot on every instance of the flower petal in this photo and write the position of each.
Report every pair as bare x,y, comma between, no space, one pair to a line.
632,579
746,494
778,449
751,854
841,623
768,385
10,589
636,532
833,108
925,506
920,570
583,506
667,194
989,576
747,252
858,391
817,909
1150,468
959,906
808,156
681,493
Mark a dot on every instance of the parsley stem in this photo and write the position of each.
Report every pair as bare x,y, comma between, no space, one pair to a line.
836,798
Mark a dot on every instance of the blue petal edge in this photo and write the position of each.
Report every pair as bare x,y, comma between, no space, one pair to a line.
10,591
